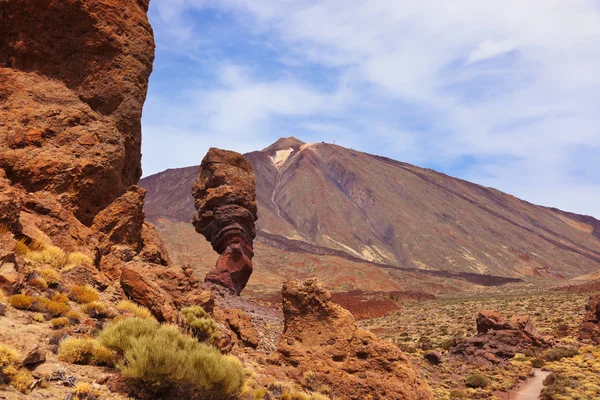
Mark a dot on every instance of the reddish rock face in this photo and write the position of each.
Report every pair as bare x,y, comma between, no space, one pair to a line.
71,99
590,327
322,337
225,194
498,339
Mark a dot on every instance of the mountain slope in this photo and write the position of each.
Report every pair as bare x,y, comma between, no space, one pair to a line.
365,207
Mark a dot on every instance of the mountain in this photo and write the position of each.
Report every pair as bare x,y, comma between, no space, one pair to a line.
324,200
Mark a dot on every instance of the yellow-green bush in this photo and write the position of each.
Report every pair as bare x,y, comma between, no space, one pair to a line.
61,322
21,248
51,255
38,283
96,309
160,359
85,391
130,309
50,307
51,275
10,368
60,298
74,317
200,323
85,351
21,301
77,259
83,294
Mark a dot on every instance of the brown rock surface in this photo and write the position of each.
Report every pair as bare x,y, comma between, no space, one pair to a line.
225,193
498,339
590,326
140,286
71,100
322,337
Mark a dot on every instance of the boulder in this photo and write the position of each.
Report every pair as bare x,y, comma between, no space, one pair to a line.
119,226
71,100
225,197
589,330
140,285
321,338
498,339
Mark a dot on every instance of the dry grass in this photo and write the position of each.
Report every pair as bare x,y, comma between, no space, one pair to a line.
11,369
422,326
38,283
59,323
96,309
83,294
84,351
128,308
21,301
52,276
85,391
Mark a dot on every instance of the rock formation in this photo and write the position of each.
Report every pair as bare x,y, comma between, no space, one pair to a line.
322,339
498,339
70,146
225,194
590,327
71,99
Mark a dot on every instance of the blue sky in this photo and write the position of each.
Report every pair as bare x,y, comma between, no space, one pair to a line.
501,93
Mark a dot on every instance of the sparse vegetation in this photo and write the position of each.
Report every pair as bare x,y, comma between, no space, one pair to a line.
559,353
96,309
58,323
159,358
85,391
83,294
477,381
200,323
12,372
85,351
128,308
21,301
50,275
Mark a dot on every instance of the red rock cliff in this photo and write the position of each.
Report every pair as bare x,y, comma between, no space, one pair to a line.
73,80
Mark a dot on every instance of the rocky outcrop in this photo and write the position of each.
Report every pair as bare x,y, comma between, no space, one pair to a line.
498,339
71,100
589,330
321,340
225,197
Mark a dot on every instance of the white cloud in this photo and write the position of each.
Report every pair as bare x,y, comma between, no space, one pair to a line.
487,50
406,78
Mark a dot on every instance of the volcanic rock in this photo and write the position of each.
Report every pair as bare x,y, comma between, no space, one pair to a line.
322,337
498,339
71,100
487,320
590,327
225,197
140,286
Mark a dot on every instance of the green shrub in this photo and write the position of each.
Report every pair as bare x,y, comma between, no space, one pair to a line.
200,323
538,362
557,384
159,359
477,381
558,353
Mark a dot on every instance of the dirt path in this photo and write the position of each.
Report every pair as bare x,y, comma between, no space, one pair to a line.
532,388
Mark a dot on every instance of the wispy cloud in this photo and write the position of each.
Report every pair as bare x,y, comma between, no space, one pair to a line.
505,93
